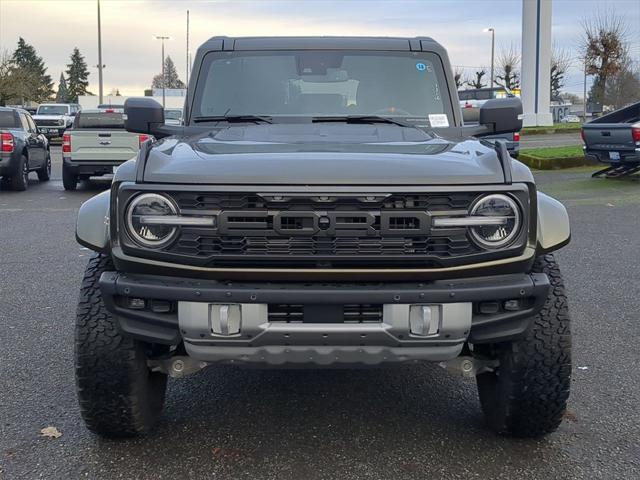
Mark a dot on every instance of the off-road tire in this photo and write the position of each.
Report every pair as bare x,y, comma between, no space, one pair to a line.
69,180
44,173
526,396
20,181
119,396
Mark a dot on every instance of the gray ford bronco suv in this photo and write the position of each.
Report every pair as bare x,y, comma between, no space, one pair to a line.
322,205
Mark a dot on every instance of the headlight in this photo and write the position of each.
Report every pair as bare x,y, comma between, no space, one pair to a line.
505,224
148,232
61,122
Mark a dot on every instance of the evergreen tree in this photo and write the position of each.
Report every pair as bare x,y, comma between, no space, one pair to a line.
170,74
77,74
63,92
26,64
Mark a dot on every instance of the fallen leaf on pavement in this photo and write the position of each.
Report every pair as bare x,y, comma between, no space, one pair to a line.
51,432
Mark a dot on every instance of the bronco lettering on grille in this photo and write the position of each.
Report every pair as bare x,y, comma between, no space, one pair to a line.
327,224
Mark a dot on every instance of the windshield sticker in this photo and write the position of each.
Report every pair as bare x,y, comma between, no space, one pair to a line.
438,120
421,67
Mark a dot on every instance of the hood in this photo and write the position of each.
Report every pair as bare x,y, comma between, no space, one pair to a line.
48,117
321,154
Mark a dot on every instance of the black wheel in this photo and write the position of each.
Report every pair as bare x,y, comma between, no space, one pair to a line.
119,396
20,181
526,396
44,173
69,179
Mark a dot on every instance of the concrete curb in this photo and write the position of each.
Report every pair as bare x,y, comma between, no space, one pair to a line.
554,163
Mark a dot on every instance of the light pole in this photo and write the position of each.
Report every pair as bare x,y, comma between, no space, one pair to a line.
164,79
187,67
493,51
99,57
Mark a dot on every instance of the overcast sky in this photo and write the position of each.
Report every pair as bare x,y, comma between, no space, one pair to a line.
132,56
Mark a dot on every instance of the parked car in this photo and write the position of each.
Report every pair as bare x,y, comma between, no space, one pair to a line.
173,116
23,149
323,205
96,145
615,139
570,119
54,118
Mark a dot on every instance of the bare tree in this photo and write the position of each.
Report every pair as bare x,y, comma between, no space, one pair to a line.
457,76
623,88
509,68
476,82
603,47
560,63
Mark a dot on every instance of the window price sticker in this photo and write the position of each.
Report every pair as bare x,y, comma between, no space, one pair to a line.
439,120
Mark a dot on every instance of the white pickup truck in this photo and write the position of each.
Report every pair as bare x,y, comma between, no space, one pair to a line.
96,145
53,119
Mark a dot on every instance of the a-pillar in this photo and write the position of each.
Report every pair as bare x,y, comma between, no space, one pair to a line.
535,78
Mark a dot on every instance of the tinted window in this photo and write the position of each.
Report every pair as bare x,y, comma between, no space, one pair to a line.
409,85
7,119
98,120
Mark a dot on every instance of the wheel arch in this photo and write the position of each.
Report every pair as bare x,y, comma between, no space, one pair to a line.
92,225
554,231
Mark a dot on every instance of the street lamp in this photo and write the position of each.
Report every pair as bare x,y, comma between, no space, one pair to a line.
100,65
164,79
493,45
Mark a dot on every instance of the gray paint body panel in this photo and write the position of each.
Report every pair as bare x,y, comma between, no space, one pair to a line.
554,230
92,226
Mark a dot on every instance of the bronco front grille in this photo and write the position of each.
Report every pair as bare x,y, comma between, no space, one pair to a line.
47,123
333,230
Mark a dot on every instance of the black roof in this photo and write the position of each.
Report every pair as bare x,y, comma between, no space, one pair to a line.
320,43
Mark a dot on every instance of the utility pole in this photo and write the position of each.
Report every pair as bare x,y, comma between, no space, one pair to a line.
187,62
100,91
584,93
164,78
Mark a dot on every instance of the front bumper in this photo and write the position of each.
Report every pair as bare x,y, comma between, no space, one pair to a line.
187,306
52,132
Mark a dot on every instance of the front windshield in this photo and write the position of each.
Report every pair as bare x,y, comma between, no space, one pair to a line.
403,85
52,110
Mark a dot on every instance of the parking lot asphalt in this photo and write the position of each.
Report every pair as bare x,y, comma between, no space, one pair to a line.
414,422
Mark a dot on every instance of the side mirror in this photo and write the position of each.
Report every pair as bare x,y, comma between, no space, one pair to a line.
145,115
501,115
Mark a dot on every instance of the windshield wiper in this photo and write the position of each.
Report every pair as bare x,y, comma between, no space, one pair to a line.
362,119
234,118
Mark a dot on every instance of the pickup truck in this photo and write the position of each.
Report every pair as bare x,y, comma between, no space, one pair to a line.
615,139
96,145
54,118
322,205
23,149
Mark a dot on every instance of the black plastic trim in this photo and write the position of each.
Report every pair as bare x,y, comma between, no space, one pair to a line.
163,328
